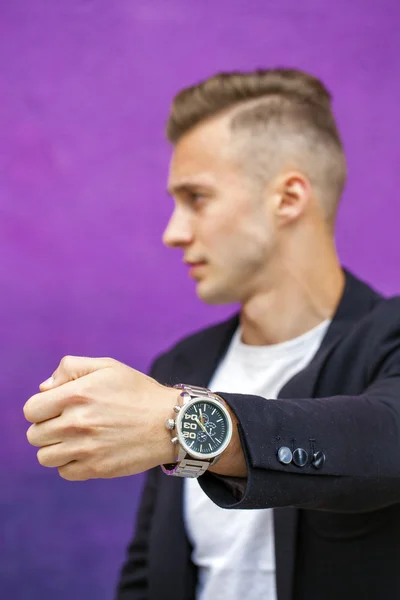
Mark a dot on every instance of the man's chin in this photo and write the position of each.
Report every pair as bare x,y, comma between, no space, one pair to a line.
213,296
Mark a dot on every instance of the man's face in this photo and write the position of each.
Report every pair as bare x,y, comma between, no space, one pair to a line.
221,219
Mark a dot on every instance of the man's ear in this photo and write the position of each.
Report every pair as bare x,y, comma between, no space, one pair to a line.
292,192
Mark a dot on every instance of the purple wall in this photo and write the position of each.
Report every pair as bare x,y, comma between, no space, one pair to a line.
85,88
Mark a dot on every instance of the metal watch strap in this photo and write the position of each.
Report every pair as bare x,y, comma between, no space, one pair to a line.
186,466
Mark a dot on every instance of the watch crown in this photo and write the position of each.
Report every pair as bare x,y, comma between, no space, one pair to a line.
170,424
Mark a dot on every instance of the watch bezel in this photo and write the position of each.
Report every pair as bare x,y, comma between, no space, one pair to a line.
182,440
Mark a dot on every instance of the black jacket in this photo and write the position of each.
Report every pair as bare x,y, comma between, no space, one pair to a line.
337,528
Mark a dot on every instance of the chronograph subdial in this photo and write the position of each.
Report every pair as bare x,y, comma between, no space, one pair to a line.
201,437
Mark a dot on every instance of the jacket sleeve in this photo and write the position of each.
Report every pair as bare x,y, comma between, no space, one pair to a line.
133,578
358,434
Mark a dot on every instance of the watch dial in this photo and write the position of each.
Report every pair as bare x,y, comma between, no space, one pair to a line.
204,427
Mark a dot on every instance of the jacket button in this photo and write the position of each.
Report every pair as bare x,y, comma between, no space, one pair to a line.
300,457
318,459
285,455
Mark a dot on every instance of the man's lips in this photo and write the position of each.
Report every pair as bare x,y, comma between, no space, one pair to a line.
195,266
194,263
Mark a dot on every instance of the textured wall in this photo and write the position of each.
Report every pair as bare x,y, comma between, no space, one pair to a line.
85,87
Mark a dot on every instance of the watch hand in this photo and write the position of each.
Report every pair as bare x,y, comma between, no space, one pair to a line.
201,416
201,425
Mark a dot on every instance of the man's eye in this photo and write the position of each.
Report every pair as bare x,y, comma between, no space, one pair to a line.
195,197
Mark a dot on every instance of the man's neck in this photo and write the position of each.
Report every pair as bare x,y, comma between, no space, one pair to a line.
301,300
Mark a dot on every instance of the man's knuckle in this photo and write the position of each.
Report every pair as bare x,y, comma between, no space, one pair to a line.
75,472
28,410
90,450
77,423
76,426
67,473
66,362
43,458
83,393
30,434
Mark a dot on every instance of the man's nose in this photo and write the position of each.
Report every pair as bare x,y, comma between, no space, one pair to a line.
178,231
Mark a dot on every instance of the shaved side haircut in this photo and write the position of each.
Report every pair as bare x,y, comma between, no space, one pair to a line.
278,118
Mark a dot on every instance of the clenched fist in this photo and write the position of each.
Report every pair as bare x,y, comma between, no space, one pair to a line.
98,418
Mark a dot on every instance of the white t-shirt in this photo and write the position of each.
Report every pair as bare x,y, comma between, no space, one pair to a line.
234,549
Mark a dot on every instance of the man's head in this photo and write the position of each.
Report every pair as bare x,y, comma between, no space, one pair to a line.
257,158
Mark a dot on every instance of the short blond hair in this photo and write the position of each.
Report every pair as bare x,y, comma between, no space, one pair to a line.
286,111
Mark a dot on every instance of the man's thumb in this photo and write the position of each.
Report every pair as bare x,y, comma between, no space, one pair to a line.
73,367
47,385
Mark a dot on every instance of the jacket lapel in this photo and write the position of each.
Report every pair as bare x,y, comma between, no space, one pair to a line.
197,361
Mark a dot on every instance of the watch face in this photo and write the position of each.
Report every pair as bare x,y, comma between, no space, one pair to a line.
204,427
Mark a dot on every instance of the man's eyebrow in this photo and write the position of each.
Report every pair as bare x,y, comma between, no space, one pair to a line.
186,186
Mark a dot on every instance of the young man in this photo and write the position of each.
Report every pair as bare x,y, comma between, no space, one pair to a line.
307,417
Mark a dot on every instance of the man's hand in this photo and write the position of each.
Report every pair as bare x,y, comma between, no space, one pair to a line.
98,418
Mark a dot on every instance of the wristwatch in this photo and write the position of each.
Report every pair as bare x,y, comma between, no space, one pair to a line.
202,430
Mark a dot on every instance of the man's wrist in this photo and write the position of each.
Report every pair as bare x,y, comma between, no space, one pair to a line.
168,450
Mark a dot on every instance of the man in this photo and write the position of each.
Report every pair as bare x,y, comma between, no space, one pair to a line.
307,419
